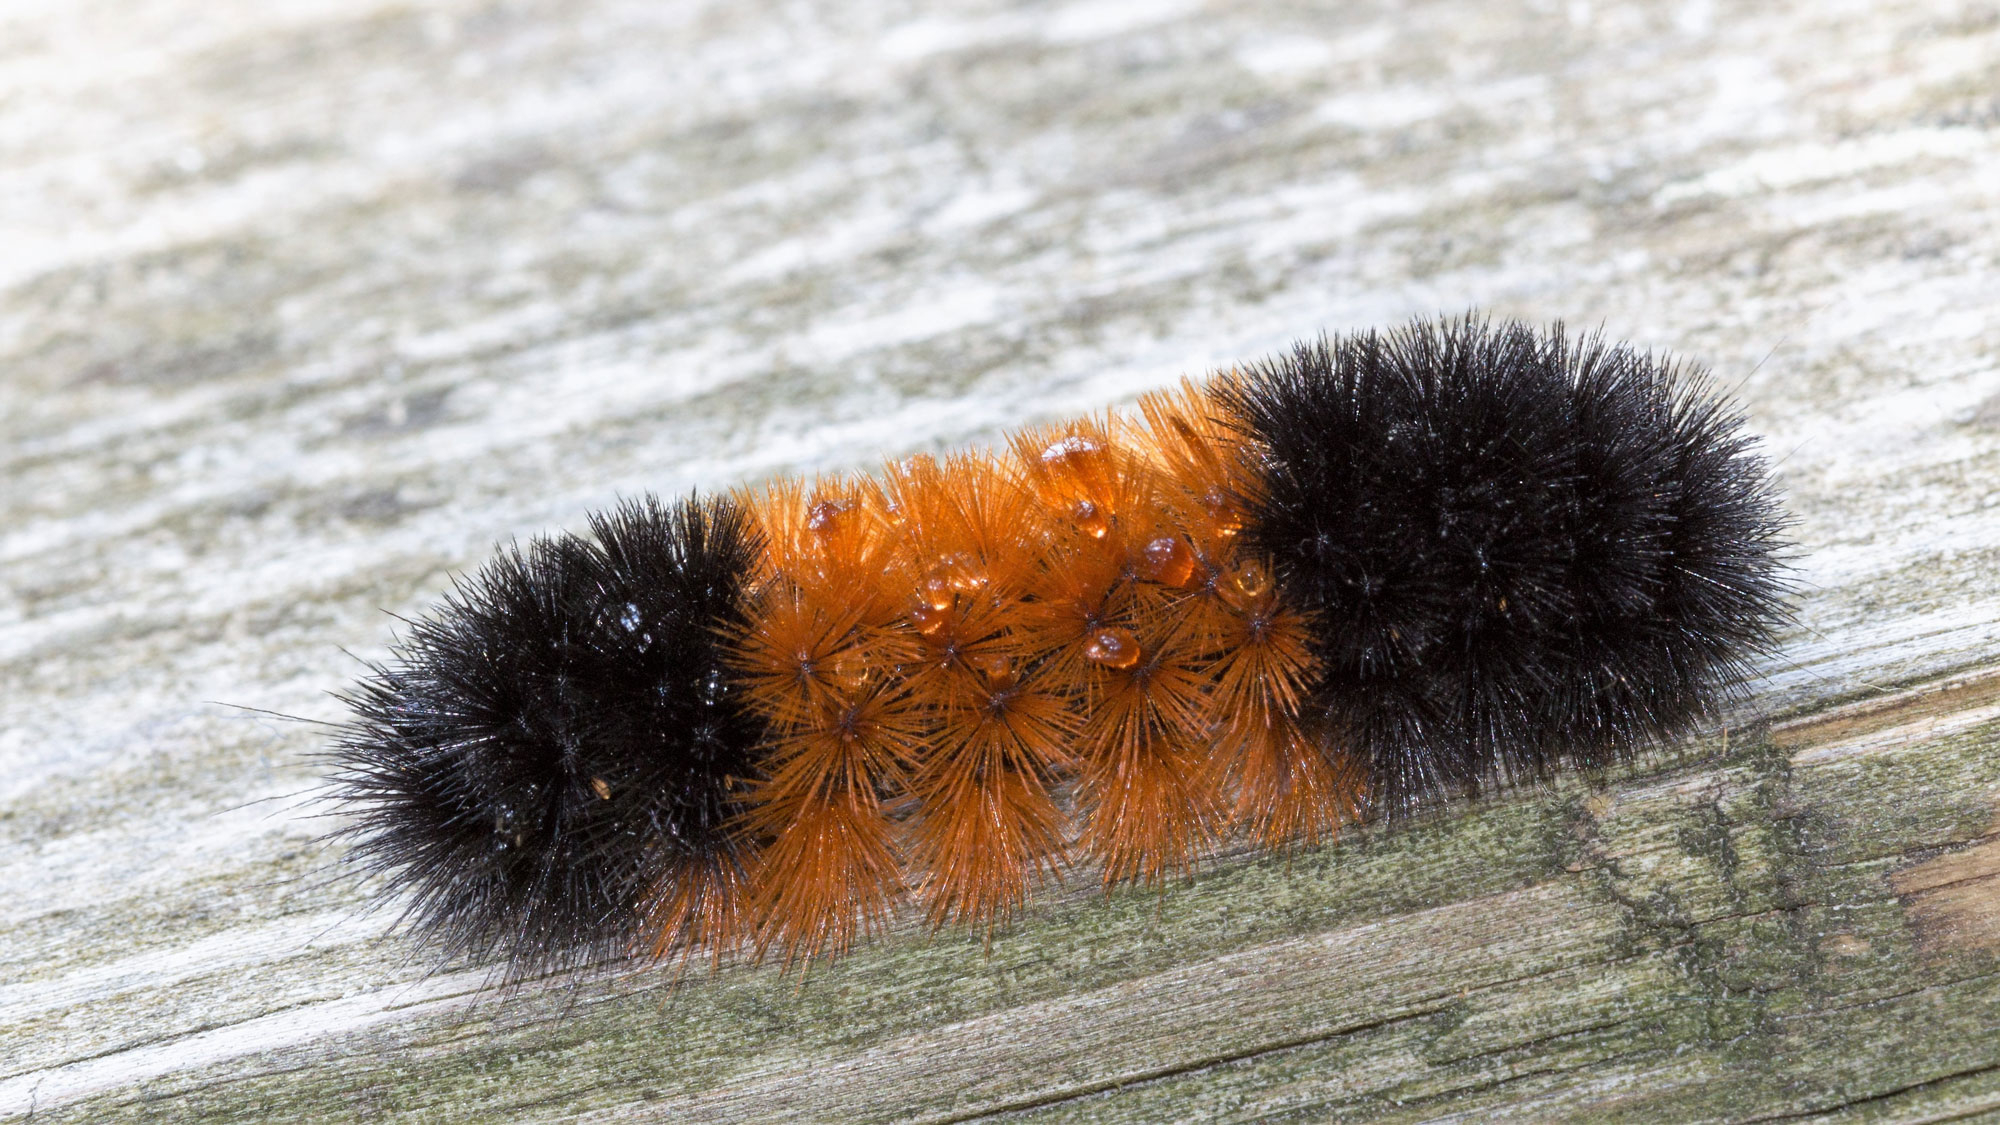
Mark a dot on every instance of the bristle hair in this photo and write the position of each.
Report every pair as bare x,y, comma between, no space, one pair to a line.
1520,551
841,735
998,722
553,755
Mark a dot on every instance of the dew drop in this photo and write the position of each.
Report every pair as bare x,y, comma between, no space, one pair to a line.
1167,560
938,593
1072,451
1073,465
1245,585
998,668
1224,521
825,517
713,687
1112,648
1090,519
851,670
930,620
965,573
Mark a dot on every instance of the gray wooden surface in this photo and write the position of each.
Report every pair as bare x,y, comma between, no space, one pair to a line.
305,305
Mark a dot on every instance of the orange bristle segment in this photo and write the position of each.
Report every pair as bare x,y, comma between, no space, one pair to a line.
1210,479
1143,747
1094,505
1289,785
696,906
986,823
843,734
1116,638
830,870
935,653
1291,788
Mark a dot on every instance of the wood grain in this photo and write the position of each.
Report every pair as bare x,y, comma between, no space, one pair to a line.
304,306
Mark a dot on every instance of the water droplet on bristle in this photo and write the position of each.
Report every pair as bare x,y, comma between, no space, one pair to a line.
1073,452
851,670
824,518
1245,585
930,620
938,594
1167,560
998,668
1112,648
964,573
1090,519
1223,518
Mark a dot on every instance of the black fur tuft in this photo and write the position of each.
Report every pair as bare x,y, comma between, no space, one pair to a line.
558,734
1521,552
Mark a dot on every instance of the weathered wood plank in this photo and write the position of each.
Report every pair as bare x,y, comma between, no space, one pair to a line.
304,306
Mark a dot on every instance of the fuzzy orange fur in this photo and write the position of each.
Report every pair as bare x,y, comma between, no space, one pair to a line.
821,661
937,654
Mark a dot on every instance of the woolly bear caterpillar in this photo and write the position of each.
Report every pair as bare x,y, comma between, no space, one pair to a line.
1373,573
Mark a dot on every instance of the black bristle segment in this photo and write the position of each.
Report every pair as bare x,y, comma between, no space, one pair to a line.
1521,552
557,736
